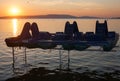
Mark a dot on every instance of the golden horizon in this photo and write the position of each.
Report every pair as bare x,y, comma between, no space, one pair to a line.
75,8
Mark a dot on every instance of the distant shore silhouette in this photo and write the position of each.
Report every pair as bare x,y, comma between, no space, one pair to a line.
56,16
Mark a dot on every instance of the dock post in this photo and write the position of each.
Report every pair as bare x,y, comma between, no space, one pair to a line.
25,56
13,52
68,59
60,66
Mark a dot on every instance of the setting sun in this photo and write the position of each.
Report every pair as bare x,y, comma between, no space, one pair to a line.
14,11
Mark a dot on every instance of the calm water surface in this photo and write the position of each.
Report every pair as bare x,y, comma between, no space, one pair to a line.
92,59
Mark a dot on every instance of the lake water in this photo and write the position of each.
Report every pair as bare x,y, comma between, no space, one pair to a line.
92,59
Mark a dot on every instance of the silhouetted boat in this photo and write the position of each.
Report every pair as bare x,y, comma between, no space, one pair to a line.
70,39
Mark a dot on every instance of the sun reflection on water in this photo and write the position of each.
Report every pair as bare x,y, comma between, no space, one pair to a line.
15,25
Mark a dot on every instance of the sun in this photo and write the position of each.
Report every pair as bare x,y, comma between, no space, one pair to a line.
14,11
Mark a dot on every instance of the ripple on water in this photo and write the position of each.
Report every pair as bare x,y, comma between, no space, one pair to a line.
81,61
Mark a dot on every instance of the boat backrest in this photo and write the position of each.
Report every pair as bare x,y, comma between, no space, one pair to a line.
71,29
76,30
101,28
68,29
25,34
34,30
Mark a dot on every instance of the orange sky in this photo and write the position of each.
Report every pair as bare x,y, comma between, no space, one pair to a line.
100,8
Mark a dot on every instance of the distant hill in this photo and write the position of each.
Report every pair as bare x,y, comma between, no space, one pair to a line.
58,16
89,17
55,16
115,18
41,16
